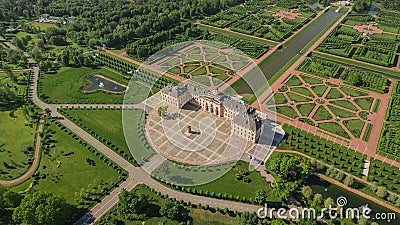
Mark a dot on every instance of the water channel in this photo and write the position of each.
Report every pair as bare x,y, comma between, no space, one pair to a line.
327,189
288,52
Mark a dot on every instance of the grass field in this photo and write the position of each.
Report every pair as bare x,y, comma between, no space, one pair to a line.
15,152
67,87
106,125
43,26
65,170
228,185
199,216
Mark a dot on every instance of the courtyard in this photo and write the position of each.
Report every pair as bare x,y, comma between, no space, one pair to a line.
209,142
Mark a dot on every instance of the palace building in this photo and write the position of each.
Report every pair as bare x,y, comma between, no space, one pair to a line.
245,122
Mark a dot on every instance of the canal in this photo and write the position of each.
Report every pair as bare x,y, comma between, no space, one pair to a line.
327,189
287,53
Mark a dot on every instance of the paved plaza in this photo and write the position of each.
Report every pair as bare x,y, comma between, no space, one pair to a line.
209,142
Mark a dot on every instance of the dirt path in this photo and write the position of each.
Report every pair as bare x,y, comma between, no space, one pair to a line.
35,162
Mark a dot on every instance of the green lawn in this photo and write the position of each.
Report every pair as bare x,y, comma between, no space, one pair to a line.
216,70
64,168
319,90
334,128
305,109
15,139
227,184
354,126
364,103
280,98
199,216
106,125
303,91
287,111
200,71
175,70
352,92
311,80
341,113
333,94
322,114
294,81
297,98
67,87
43,26
345,104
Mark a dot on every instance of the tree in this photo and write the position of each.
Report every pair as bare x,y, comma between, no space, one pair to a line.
277,222
307,192
318,199
261,197
247,218
39,43
381,192
349,180
131,203
174,210
37,53
162,110
362,221
392,198
328,202
93,43
42,208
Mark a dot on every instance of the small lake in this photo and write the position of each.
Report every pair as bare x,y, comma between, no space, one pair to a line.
98,82
312,3
327,189
374,10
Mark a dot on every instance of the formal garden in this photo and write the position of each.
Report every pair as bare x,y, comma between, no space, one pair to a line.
339,109
189,70
389,144
350,75
378,44
273,20
254,49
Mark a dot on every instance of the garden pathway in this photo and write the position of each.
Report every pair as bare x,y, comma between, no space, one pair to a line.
35,162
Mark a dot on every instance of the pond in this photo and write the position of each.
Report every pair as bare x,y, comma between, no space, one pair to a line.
373,10
312,3
327,189
98,82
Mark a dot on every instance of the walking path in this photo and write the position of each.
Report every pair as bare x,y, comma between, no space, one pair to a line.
35,162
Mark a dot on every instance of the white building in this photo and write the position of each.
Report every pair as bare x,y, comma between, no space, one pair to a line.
245,122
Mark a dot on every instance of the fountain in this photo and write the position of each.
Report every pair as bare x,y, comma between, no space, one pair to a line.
101,84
